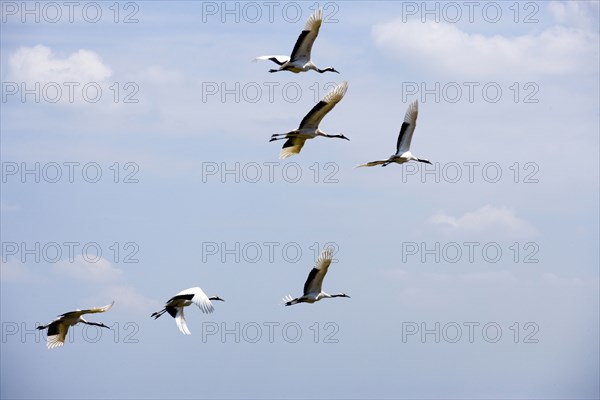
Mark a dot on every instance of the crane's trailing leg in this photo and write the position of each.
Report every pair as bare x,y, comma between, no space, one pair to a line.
289,301
159,313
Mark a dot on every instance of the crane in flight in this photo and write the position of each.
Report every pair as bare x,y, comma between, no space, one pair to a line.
300,59
174,306
57,329
407,129
312,288
309,126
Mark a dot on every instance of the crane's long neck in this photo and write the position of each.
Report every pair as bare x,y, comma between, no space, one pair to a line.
340,136
328,69
100,324
329,296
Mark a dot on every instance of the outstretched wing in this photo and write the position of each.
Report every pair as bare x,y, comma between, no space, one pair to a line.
407,129
314,116
78,313
201,300
57,332
196,296
315,277
180,320
307,37
179,299
371,164
97,309
291,146
280,60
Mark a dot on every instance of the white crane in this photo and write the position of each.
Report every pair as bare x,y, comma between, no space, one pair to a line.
309,126
403,153
300,60
312,287
57,329
174,306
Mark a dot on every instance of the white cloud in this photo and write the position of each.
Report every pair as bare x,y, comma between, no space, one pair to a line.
485,219
159,75
16,272
557,50
109,282
84,270
575,13
435,289
454,291
450,279
555,280
7,207
506,278
40,64
128,298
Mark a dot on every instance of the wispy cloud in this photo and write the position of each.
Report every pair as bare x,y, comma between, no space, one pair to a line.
15,272
8,207
40,64
558,50
109,283
130,299
560,281
483,220
85,270
575,13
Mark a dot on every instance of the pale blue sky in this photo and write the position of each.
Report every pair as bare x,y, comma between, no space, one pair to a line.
385,222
